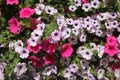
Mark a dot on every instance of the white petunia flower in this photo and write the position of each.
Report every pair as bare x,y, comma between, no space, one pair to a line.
72,8
2,76
83,38
69,21
56,35
39,8
76,24
41,26
73,40
78,2
75,31
50,10
87,54
95,3
18,46
66,33
37,76
11,45
20,68
86,7
32,41
24,53
73,68
101,73
117,73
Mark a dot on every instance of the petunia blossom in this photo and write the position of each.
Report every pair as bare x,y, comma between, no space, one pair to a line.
11,2
111,49
36,62
26,12
67,50
49,58
85,1
49,47
14,29
14,25
112,40
34,49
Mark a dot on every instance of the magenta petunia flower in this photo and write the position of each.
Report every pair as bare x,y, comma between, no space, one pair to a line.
85,1
14,25
49,58
49,47
111,49
13,29
14,21
26,12
11,2
34,49
115,66
36,62
112,40
67,50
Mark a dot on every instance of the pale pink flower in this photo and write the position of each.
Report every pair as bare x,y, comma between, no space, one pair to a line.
26,12
67,50
111,49
11,2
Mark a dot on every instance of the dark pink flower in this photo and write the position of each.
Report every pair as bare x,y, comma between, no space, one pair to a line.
49,58
34,49
11,2
14,21
67,50
115,66
36,62
26,12
14,29
112,40
34,23
14,25
49,47
85,1
111,49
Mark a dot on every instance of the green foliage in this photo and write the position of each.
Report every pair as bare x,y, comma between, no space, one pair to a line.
12,59
118,6
49,28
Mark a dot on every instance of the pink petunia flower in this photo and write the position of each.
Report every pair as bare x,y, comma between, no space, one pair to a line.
36,62
112,40
49,58
13,29
14,25
14,21
26,12
49,47
115,66
111,49
67,50
85,1
34,23
34,49
11,2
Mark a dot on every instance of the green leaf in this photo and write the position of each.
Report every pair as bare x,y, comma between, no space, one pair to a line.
2,21
118,4
49,28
